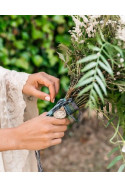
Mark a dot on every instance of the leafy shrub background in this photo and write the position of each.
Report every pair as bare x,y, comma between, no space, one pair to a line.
29,43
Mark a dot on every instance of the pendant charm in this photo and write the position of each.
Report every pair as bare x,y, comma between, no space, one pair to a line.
60,114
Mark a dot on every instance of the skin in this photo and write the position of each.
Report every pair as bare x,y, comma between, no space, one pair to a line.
40,132
36,81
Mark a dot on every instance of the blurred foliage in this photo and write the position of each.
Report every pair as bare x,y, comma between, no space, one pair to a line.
29,43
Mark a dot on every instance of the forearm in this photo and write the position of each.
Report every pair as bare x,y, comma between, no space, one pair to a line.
8,139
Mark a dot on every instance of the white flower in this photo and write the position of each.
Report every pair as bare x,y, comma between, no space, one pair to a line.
84,18
118,73
121,60
81,42
89,35
122,19
121,34
101,22
118,54
123,148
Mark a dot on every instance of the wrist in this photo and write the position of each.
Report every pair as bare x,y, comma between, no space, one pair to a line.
9,139
18,138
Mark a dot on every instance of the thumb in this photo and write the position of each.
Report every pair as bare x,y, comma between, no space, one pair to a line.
40,95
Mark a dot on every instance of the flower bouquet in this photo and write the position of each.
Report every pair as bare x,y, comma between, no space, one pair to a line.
96,66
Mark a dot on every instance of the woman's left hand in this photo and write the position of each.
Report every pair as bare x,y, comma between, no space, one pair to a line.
35,83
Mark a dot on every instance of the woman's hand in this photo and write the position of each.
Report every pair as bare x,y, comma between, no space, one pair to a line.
36,81
40,132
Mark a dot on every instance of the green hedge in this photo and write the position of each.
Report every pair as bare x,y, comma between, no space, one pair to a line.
29,43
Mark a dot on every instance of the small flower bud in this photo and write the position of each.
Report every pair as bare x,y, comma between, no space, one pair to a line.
118,54
118,73
123,148
121,60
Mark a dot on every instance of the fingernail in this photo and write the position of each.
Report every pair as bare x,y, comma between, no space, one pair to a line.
47,98
53,100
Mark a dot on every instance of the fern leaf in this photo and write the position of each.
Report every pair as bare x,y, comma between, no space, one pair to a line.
89,66
103,66
99,40
101,75
122,167
101,84
105,61
93,100
86,89
94,95
87,81
86,75
98,91
88,58
116,159
94,48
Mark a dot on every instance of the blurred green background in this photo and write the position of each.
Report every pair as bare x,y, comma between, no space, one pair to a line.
29,43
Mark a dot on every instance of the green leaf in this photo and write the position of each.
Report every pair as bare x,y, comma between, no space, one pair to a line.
105,61
93,100
122,167
109,70
36,34
89,66
102,36
98,91
19,44
109,122
37,59
113,162
113,151
86,75
99,39
101,84
94,95
109,56
117,48
22,63
101,75
88,58
94,48
87,81
86,89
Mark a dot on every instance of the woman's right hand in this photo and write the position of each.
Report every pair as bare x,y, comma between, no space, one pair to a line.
40,132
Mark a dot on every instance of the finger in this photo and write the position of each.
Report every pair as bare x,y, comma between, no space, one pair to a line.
49,84
55,80
59,128
56,135
55,141
40,95
55,121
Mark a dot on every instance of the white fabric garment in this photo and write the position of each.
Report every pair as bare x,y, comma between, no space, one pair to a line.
15,108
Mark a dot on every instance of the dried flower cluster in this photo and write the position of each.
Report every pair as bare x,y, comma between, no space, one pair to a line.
87,26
